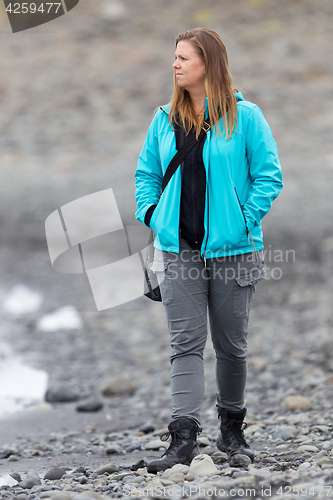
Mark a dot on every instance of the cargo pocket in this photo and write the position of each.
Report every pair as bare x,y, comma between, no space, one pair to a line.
242,297
164,279
244,288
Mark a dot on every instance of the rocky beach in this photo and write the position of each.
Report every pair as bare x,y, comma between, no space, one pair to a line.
92,387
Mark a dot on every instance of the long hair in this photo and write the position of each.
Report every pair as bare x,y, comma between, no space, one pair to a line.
218,81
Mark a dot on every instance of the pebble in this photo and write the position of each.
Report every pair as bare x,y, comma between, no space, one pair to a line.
157,444
16,476
284,434
140,465
324,461
92,404
113,450
307,447
54,473
305,465
134,447
178,468
189,476
327,466
203,441
240,460
155,483
296,402
320,428
118,386
7,452
32,479
203,465
146,428
281,447
110,468
322,453
176,477
219,457
61,394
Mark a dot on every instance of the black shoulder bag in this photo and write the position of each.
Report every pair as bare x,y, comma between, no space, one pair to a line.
151,287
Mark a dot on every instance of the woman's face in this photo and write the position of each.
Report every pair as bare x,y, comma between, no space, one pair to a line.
189,67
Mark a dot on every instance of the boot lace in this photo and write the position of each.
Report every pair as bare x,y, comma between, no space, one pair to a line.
176,439
236,432
176,436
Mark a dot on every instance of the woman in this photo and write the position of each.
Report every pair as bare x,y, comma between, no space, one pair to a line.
208,238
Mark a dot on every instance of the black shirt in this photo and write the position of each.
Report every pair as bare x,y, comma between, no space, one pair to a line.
193,191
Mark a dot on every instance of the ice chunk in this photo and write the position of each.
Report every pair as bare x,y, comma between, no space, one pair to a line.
65,318
18,381
22,300
7,480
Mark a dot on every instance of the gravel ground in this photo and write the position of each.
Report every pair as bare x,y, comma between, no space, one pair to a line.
77,96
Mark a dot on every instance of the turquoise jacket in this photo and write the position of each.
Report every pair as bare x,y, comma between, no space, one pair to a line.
243,177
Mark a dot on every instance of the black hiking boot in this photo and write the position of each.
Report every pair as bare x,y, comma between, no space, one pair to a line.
231,439
183,447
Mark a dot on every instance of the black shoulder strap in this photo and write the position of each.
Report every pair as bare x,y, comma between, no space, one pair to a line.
180,155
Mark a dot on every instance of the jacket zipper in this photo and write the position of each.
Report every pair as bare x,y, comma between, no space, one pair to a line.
204,254
240,206
194,168
207,188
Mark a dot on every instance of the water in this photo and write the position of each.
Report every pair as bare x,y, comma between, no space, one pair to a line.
21,385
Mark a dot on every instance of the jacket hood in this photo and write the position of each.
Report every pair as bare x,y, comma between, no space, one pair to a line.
166,108
239,96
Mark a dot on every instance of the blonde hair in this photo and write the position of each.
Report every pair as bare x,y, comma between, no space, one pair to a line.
222,102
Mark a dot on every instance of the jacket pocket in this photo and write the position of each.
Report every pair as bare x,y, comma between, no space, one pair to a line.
153,223
164,277
241,209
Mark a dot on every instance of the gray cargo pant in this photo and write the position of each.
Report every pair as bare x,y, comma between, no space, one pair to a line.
225,288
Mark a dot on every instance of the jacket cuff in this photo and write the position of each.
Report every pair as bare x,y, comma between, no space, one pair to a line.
149,214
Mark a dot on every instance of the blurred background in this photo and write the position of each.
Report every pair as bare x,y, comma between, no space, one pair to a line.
76,98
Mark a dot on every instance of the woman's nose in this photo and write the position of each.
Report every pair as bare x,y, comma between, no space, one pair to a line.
175,64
